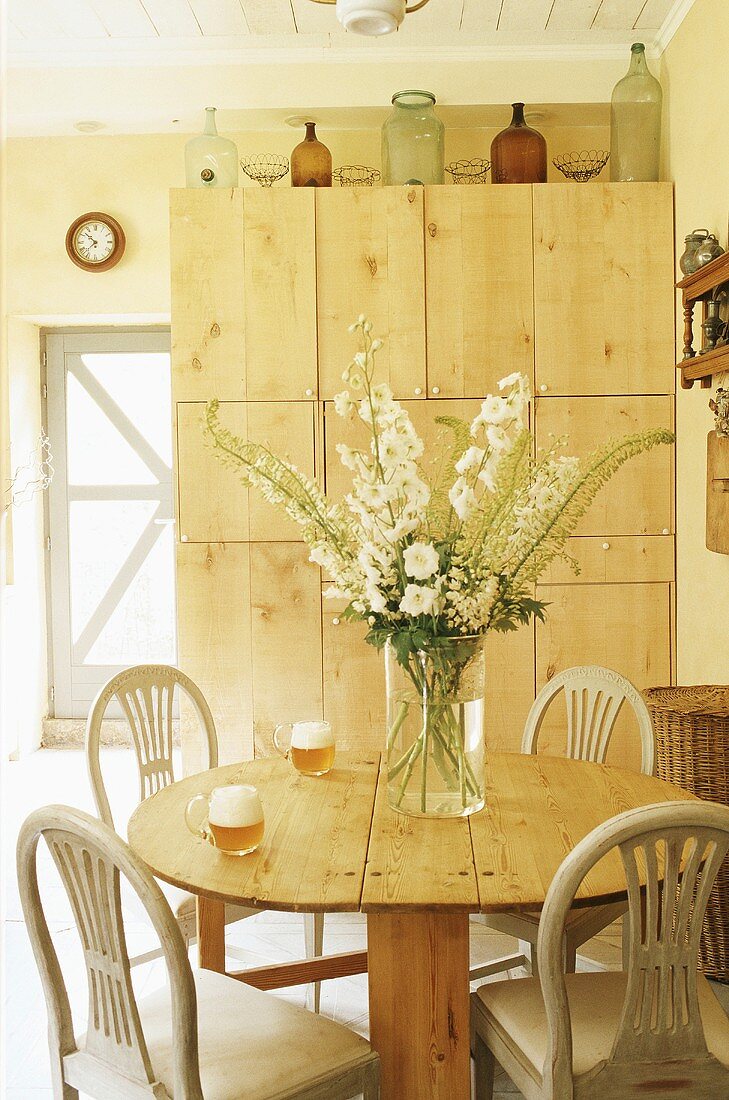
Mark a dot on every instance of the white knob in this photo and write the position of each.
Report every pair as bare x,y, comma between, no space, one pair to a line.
435,389
666,531
184,538
606,546
335,622
309,393
418,391
543,388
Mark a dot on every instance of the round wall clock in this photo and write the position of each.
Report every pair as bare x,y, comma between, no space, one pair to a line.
95,242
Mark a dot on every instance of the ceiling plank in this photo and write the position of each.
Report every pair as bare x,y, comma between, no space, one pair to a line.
480,16
172,18
269,16
654,15
618,15
314,18
220,17
78,19
572,15
518,16
124,18
36,19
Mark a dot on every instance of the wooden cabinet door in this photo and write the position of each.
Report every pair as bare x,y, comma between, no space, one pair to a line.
369,259
285,638
626,627
509,687
603,288
354,682
479,287
214,646
280,294
638,500
213,504
208,321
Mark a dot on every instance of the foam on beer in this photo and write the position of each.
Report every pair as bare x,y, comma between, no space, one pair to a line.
311,735
235,806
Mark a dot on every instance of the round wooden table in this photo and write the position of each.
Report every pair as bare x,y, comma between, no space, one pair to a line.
332,844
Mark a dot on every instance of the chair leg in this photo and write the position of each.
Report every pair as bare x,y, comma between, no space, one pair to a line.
529,951
314,945
61,1090
483,1064
570,955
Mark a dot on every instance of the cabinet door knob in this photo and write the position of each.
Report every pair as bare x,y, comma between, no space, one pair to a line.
666,531
418,390
309,393
606,546
184,538
543,388
335,622
435,389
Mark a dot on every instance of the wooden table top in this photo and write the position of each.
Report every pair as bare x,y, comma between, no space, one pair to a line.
333,844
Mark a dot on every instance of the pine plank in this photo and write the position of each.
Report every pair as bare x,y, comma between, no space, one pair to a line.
269,16
631,559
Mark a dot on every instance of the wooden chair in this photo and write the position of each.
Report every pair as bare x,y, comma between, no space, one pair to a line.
203,1035
594,697
655,1030
146,695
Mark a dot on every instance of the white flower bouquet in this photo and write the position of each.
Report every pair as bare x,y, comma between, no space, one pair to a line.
432,552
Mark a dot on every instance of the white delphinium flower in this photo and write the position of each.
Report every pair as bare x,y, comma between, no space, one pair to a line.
421,560
470,460
499,438
343,404
494,410
393,448
374,494
349,457
418,599
462,498
411,488
375,598
511,380
403,526
487,474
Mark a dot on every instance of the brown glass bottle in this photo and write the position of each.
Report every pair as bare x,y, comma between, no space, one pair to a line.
311,162
518,154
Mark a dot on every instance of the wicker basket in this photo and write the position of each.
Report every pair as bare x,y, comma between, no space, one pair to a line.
692,742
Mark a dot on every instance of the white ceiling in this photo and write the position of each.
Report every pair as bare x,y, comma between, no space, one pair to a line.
88,32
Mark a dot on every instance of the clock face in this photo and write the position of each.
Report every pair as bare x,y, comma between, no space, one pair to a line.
94,242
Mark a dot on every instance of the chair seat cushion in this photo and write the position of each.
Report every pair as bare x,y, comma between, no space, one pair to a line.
516,1010
251,1044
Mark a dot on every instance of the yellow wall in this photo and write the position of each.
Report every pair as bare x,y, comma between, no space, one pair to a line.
696,158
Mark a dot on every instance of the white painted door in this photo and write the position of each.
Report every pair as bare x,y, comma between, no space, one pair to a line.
111,510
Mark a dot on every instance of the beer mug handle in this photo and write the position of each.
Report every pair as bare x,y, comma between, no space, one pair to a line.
196,817
284,750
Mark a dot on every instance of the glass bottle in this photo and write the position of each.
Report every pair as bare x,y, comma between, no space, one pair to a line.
635,122
311,161
518,153
413,140
211,160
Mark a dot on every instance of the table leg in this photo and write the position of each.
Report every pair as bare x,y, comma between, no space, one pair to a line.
211,934
419,1003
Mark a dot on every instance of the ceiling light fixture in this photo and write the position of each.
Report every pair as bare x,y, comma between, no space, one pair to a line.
89,126
372,17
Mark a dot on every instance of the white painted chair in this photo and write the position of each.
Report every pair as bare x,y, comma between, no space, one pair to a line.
146,695
594,697
203,1035
655,1030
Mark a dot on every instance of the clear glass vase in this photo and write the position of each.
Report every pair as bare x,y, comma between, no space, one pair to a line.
211,160
413,140
635,122
435,728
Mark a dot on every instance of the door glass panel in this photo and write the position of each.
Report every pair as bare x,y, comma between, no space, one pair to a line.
98,454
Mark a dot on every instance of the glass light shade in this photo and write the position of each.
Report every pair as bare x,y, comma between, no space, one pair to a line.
371,17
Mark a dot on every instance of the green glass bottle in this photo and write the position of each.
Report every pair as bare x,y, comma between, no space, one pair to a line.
635,122
413,140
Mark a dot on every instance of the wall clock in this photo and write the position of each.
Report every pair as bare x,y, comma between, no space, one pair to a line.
95,241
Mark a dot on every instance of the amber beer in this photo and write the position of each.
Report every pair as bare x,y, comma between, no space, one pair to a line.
236,819
311,749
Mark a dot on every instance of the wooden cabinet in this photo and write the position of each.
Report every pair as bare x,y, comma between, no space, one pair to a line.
213,504
638,500
280,294
603,298
478,260
369,259
509,688
207,286
353,679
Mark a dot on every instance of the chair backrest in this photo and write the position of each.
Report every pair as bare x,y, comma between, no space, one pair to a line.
671,853
146,695
594,697
91,859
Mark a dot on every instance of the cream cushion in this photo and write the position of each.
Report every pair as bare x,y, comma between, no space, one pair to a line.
515,1009
252,1044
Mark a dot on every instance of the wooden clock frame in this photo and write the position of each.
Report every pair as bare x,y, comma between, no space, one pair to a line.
116,255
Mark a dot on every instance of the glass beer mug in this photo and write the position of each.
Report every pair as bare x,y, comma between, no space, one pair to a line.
230,818
309,746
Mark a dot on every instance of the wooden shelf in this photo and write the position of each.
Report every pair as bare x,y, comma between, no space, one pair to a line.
694,288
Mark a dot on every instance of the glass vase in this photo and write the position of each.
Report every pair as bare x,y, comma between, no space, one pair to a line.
413,140
211,160
435,728
635,122
311,161
518,153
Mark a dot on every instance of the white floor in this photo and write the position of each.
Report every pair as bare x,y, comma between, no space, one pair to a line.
60,776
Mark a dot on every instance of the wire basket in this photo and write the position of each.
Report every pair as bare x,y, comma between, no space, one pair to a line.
265,168
691,725
356,175
469,171
582,166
